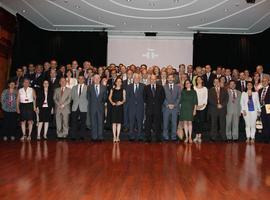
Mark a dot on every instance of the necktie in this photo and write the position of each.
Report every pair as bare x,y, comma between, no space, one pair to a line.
243,86
218,94
136,89
80,91
263,96
62,92
234,96
153,90
74,74
96,90
171,88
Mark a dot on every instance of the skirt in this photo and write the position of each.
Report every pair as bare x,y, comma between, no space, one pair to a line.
117,114
44,114
26,112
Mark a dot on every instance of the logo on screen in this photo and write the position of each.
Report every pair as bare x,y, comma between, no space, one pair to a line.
150,54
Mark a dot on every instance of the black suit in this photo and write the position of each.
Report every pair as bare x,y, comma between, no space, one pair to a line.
216,114
37,82
240,87
265,117
153,110
18,81
209,82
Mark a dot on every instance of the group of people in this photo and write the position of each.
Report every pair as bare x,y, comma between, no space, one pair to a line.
172,104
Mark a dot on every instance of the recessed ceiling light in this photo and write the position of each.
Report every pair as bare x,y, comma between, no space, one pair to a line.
129,0
124,23
226,9
177,24
176,1
77,6
23,11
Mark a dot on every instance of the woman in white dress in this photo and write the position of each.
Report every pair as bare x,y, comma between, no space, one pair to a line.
71,82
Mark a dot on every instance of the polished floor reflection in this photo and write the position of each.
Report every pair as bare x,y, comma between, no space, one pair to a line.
85,170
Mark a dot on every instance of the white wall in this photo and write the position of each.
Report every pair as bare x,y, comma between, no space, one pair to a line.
161,51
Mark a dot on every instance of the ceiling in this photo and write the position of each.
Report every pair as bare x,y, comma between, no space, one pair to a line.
134,17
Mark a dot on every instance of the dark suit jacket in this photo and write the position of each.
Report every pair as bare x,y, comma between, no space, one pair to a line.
37,82
125,84
210,82
55,84
153,103
96,103
41,98
238,86
18,81
212,101
135,102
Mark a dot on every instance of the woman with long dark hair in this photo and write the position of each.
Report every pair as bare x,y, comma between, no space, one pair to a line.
200,118
117,98
251,109
188,107
44,108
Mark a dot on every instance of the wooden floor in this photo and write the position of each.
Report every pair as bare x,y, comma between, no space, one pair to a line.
85,170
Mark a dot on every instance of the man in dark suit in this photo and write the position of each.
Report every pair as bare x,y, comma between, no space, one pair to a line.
208,77
38,78
135,102
217,108
154,96
97,96
241,85
53,80
264,96
126,83
18,79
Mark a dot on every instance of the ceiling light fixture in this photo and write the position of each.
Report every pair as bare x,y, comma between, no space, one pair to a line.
23,11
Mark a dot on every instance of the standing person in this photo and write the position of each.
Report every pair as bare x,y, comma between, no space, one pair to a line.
257,81
97,97
26,105
251,109
233,112
241,84
188,104
217,108
264,95
44,108
154,96
208,77
79,109
117,98
8,102
62,99
136,104
170,107
200,117
70,81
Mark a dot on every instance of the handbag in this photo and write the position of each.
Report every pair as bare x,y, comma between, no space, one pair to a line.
259,124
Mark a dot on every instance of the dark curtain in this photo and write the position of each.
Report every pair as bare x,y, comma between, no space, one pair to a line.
35,45
233,51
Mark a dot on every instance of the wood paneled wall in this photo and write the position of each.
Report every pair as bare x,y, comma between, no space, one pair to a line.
7,30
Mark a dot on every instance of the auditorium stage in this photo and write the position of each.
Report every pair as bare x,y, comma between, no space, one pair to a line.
86,170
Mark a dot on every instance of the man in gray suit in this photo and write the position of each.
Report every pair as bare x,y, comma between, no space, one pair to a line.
233,112
79,109
62,99
97,96
135,102
170,107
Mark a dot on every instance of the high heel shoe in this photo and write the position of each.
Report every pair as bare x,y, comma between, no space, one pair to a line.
23,138
190,140
114,139
29,138
118,140
186,140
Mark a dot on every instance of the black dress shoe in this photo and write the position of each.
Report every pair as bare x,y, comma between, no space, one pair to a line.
131,139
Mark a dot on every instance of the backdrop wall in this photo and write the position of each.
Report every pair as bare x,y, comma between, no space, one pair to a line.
161,51
36,45
235,51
